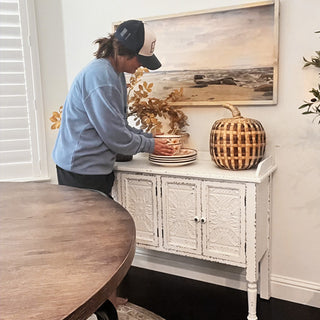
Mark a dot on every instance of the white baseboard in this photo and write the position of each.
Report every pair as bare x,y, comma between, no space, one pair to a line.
281,287
295,290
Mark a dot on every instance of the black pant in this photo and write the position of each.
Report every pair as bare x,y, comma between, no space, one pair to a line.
101,182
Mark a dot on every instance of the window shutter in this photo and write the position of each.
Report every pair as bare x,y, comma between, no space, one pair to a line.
19,127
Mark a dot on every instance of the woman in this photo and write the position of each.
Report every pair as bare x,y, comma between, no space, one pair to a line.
94,124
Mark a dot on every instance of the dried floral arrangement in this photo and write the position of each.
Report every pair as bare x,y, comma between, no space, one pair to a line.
147,111
313,106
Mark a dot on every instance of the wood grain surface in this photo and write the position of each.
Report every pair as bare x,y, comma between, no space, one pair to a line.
63,250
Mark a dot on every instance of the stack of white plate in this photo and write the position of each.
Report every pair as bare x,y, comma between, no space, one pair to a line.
185,156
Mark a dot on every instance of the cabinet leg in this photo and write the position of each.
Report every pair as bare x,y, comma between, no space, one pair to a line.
265,277
252,300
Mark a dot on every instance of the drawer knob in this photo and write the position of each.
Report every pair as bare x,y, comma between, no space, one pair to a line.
196,219
203,220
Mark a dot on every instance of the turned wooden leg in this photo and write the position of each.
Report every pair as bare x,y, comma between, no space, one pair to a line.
252,300
265,277
265,261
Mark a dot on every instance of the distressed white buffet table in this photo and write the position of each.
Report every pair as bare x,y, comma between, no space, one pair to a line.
204,212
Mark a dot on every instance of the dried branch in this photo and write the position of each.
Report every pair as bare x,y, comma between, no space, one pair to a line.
56,118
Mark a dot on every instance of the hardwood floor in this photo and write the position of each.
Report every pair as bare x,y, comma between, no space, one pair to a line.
177,298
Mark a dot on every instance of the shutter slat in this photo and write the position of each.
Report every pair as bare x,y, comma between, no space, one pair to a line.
11,55
11,66
11,78
13,171
15,156
9,8
10,32
14,145
9,20
14,134
12,89
6,101
10,112
10,44
14,123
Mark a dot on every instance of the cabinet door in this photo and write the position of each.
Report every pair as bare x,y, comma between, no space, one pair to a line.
224,221
139,198
181,215
115,189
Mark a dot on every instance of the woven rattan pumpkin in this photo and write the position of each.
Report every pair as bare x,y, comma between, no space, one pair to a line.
237,143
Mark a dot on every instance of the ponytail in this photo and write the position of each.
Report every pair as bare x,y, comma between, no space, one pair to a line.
106,47
110,47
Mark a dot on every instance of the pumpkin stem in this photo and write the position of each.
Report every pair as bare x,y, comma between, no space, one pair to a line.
235,111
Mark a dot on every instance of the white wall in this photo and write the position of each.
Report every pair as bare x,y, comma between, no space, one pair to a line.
52,65
67,29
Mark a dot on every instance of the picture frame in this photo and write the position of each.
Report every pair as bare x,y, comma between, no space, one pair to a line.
223,55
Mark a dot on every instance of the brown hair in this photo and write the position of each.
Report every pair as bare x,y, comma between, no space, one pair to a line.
111,47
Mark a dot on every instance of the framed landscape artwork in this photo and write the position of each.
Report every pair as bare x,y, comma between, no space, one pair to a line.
223,55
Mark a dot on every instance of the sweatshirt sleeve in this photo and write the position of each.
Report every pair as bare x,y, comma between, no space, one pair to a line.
104,107
139,131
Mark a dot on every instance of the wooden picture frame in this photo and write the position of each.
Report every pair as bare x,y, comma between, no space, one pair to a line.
224,55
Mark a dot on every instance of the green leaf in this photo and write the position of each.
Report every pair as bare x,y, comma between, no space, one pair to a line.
304,105
307,112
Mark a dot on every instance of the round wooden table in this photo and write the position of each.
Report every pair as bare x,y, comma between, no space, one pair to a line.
63,250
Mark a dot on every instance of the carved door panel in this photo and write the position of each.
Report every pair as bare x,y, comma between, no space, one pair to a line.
223,226
140,199
181,215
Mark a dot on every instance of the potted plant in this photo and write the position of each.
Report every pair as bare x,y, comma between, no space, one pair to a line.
313,106
149,112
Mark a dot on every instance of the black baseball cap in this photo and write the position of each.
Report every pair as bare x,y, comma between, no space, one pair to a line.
138,37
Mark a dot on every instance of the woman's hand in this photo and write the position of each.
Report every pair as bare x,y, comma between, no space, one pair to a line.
162,148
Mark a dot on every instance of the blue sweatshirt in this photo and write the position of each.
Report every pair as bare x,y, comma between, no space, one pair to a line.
94,124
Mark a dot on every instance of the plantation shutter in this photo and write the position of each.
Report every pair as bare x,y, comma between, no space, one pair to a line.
20,121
